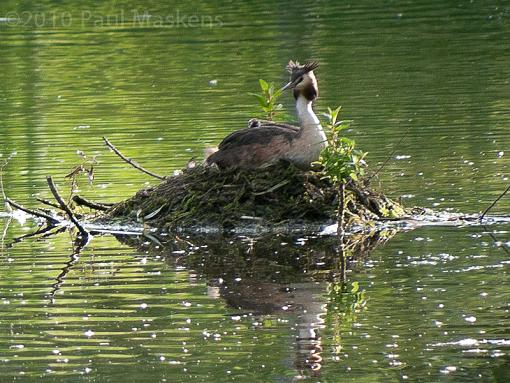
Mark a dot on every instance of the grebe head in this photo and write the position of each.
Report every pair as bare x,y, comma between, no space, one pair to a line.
302,80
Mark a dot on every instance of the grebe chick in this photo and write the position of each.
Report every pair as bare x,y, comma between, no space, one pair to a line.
266,142
259,123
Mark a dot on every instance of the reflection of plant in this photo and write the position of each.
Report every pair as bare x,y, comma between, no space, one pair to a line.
86,167
348,301
341,161
343,308
267,98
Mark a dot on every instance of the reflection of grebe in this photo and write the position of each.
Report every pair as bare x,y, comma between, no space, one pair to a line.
266,142
309,323
303,300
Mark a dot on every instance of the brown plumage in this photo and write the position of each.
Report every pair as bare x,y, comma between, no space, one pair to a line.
253,147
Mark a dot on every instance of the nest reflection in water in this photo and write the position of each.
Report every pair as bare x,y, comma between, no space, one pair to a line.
303,279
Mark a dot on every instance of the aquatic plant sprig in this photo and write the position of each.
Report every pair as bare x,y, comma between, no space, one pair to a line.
268,98
341,161
86,167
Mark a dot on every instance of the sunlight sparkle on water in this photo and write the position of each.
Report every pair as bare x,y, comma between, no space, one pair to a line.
449,369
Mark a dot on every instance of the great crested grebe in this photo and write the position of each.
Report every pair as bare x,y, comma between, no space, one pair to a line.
266,142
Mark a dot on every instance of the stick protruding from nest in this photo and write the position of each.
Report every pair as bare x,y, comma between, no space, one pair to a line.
130,161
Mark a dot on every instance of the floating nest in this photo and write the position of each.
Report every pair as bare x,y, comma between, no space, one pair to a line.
226,200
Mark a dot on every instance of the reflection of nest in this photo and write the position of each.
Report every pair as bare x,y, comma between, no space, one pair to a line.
204,196
271,275
267,275
269,259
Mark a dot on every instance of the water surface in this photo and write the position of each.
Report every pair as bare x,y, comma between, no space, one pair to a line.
432,304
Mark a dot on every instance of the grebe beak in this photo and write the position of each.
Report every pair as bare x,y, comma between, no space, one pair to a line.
289,85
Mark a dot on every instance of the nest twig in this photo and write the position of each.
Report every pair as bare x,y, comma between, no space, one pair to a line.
130,161
36,213
91,204
66,208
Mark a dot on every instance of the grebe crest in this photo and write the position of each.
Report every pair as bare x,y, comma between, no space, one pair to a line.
303,80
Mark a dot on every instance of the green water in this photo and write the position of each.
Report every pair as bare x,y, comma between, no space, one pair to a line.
432,304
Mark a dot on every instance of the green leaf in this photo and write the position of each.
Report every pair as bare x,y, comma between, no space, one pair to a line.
267,98
340,160
261,99
258,96
277,93
263,85
271,89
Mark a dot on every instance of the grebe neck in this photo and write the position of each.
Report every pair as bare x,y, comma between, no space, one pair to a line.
307,117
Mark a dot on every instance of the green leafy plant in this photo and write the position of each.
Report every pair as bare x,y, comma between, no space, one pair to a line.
341,161
268,98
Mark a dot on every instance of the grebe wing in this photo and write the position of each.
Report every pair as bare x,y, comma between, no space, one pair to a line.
260,135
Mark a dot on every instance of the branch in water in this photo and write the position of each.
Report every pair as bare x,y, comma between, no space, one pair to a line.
49,203
494,203
35,213
66,208
90,204
2,166
130,161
